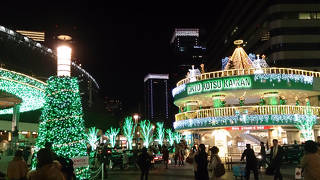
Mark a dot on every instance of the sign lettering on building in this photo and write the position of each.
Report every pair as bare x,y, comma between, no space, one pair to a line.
219,84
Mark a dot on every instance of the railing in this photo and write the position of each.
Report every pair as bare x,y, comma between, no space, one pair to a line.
251,71
250,110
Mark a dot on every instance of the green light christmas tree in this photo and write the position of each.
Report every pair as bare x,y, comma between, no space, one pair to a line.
128,130
177,137
160,133
61,122
170,136
146,132
92,138
112,135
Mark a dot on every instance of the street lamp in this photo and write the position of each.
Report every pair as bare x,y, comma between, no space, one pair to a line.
64,61
136,118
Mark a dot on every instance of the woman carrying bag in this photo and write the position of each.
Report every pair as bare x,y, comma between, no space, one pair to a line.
216,168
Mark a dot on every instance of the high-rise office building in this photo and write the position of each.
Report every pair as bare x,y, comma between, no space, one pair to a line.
287,32
187,50
187,47
156,98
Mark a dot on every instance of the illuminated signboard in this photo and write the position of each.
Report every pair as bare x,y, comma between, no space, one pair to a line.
219,84
248,128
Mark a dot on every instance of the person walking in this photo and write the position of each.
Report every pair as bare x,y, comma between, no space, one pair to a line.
181,154
176,154
214,161
251,162
310,162
17,168
263,155
165,155
190,159
276,155
201,160
144,162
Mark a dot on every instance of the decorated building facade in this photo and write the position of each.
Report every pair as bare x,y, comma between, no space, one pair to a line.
248,102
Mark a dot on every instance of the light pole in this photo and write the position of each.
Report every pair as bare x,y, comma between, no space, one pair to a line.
136,122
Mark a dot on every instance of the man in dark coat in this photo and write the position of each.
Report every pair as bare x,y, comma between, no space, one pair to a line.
276,155
165,155
251,162
144,162
263,155
201,160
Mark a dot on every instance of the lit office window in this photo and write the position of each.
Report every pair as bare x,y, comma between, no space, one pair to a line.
312,15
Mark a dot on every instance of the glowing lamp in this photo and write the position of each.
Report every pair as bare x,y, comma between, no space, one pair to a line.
64,61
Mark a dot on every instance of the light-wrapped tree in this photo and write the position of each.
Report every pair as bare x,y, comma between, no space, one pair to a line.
129,130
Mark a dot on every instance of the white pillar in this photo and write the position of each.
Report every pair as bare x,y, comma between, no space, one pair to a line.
15,125
15,117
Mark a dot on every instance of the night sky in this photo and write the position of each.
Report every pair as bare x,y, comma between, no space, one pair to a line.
117,44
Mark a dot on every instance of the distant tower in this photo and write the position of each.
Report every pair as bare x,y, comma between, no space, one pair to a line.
156,98
187,49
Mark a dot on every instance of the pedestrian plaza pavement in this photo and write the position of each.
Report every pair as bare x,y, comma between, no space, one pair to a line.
173,173
186,172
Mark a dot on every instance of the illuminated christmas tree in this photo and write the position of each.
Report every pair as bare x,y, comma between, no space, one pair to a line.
112,135
146,132
177,137
61,121
92,137
170,136
239,58
128,130
160,132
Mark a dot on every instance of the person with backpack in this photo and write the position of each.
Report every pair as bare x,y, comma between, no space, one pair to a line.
144,162
251,162
216,168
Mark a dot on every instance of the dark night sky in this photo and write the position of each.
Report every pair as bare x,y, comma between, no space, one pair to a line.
118,44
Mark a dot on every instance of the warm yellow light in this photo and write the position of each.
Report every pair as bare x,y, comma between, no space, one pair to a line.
64,61
136,116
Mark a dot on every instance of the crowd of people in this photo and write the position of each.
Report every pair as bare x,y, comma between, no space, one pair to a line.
49,166
310,161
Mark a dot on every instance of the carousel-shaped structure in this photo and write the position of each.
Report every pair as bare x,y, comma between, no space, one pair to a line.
248,102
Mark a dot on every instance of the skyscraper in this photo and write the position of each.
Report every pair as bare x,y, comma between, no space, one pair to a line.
287,32
186,45
156,98
187,49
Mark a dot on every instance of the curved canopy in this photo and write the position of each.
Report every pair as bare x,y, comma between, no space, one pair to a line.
24,90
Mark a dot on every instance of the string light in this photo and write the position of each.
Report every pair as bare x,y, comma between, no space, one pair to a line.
61,122
92,137
129,130
112,134
170,136
242,120
146,132
287,77
177,137
26,88
160,133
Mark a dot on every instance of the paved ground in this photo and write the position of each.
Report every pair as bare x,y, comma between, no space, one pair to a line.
180,173
173,173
